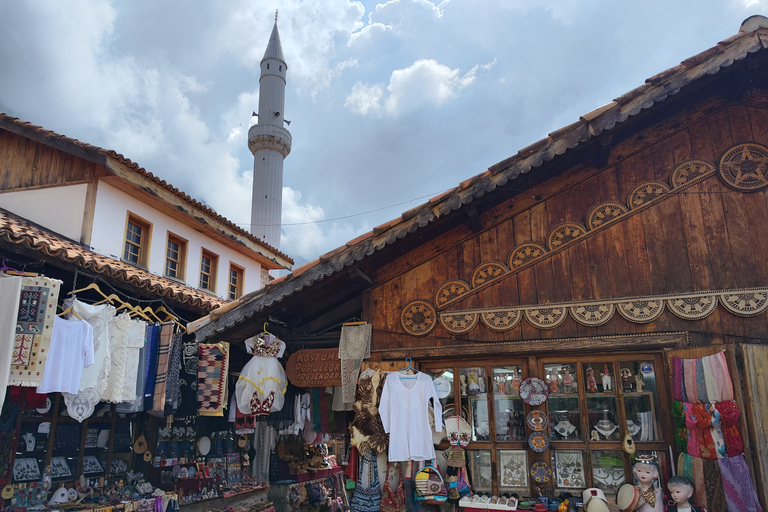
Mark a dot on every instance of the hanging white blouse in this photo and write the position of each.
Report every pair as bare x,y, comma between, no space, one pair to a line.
71,351
126,339
260,389
404,411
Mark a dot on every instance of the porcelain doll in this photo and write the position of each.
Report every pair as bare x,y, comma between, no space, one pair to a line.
607,380
516,381
567,380
680,491
646,472
626,379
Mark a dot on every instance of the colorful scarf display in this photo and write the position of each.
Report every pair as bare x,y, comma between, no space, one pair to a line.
161,376
150,365
739,492
34,324
212,370
729,417
704,380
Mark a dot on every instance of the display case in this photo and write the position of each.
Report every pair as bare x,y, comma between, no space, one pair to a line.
480,470
508,407
513,470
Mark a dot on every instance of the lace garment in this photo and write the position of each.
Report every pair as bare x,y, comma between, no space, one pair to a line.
354,346
261,387
93,381
126,337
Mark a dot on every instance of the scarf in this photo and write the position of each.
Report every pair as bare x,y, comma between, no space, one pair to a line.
681,434
689,375
729,417
172,392
701,386
649,496
161,376
678,380
703,420
737,485
714,485
692,427
150,365
721,377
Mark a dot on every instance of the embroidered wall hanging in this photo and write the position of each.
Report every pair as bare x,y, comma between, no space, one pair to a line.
212,370
34,324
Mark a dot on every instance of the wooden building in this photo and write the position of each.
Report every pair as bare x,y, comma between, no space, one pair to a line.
632,236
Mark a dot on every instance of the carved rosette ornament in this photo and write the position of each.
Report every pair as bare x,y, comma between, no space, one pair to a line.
501,320
546,317
563,234
593,314
745,303
690,170
646,192
418,317
524,253
692,307
745,167
641,311
604,213
459,323
488,272
449,291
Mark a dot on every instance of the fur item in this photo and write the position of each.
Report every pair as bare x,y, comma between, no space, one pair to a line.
366,430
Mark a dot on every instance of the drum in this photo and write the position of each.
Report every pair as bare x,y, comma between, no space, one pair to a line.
628,499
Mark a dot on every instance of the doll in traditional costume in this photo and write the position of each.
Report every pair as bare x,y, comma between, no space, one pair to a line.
591,382
515,381
681,490
474,383
626,379
607,379
567,380
646,472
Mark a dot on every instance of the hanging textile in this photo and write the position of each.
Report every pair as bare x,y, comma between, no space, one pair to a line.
212,370
714,484
366,430
34,326
740,494
93,381
126,339
8,439
150,366
284,418
261,387
10,294
136,403
71,351
354,347
172,383
161,379
187,408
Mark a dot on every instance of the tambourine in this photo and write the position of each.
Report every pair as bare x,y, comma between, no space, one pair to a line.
204,445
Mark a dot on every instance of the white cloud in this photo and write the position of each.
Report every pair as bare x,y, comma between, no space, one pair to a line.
425,82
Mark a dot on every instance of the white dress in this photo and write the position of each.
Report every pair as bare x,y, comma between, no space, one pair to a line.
260,389
404,411
71,351
126,339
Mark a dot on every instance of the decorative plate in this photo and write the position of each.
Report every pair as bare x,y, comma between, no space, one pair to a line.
184,473
541,472
192,472
46,408
537,420
176,471
538,442
534,391
204,445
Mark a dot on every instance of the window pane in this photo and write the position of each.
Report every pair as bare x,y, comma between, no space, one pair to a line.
608,470
508,406
480,472
563,402
475,398
601,402
569,469
641,400
513,470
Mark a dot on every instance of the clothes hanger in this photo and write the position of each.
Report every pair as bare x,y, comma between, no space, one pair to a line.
111,298
69,310
10,270
136,310
92,286
410,368
170,316
149,312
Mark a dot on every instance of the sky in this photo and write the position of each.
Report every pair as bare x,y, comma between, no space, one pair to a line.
390,103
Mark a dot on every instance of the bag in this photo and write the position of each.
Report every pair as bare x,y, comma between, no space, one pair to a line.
457,483
393,501
429,484
369,499
410,492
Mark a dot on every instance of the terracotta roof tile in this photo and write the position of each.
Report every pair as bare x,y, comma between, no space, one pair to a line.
359,239
19,231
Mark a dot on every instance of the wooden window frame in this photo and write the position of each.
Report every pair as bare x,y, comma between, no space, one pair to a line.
181,258
211,273
145,242
235,291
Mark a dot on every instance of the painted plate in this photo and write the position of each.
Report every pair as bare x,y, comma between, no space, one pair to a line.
541,472
534,391
192,472
184,473
537,420
176,471
538,442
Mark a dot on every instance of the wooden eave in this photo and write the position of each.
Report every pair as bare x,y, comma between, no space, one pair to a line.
558,146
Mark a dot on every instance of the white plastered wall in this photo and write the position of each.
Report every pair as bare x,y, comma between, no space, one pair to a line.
59,209
107,237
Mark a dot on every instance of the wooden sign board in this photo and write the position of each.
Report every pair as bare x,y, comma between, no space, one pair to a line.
314,368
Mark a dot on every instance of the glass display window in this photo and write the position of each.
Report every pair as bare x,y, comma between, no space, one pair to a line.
608,472
563,404
569,469
641,400
513,470
480,470
509,410
474,397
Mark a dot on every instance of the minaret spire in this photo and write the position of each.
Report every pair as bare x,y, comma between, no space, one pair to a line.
270,143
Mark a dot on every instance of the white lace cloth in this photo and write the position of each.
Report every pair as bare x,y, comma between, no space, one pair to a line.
94,378
354,347
126,339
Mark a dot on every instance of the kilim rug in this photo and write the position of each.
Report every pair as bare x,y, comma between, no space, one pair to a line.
10,293
34,323
163,354
212,378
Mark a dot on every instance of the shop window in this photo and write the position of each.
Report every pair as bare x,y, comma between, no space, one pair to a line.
208,264
137,237
98,447
175,257
235,285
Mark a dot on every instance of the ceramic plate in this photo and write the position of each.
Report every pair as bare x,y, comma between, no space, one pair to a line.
538,442
176,471
537,420
184,473
541,472
534,391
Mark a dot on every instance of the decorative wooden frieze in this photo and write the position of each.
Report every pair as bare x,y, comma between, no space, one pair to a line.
487,272
604,213
421,317
525,253
646,193
690,170
745,167
450,290
564,233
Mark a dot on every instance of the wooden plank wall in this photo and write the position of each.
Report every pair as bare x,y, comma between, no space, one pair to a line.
25,163
707,237
755,385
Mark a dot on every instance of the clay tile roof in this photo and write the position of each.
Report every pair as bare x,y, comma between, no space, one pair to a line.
752,37
27,129
19,231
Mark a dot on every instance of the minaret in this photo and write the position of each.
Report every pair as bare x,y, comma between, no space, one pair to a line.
270,143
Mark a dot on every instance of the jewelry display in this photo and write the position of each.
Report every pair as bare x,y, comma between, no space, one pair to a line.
26,469
60,468
633,428
513,468
569,467
564,428
91,464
